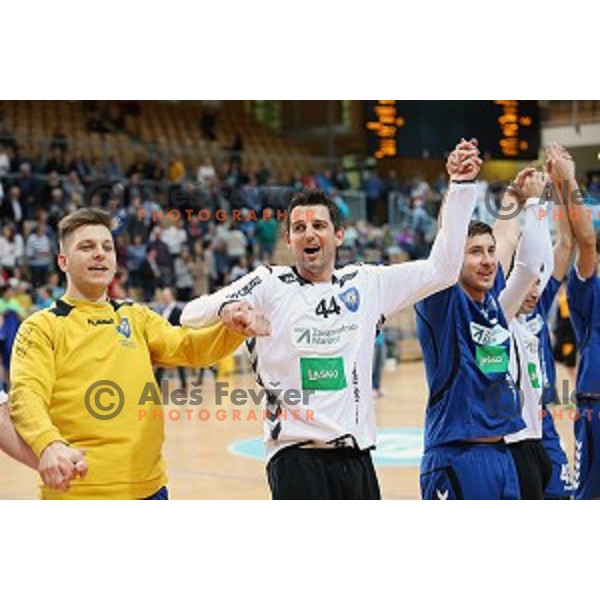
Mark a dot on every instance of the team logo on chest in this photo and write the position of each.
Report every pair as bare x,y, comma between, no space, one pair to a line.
124,328
351,299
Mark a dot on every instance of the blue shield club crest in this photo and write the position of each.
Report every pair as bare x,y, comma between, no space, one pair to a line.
351,298
124,328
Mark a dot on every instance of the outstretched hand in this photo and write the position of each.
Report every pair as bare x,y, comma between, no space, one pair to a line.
464,162
243,318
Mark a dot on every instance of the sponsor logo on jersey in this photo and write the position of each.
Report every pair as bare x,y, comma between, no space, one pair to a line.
124,328
244,291
311,337
534,376
492,359
325,374
351,298
344,278
96,322
535,325
488,337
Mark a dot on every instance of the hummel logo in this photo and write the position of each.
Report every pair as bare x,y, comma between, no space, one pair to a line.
442,495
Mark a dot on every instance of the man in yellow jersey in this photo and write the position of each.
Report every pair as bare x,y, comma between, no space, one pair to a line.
79,369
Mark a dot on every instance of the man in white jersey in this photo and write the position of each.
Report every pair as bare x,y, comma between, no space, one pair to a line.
324,322
529,329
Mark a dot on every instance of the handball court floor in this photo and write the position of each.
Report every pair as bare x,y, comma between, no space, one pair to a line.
200,465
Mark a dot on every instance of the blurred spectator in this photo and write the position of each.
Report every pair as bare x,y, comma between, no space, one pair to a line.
344,209
266,233
208,126
136,255
236,244
206,172
73,185
150,275
80,165
46,194
374,188
28,185
4,161
11,207
113,169
56,162
176,170
184,275
12,250
163,255
239,268
39,255
55,286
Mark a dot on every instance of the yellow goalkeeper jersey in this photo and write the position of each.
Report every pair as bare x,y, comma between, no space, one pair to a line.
78,372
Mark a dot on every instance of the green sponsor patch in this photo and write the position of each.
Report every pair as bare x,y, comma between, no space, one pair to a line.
323,373
492,359
533,375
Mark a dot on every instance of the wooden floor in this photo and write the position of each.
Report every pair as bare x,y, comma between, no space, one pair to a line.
200,465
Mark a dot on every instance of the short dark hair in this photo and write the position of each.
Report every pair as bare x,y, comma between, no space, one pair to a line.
315,198
479,228
81,218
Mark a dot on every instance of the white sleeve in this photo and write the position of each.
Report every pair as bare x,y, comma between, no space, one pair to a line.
401,285
528,260
205,310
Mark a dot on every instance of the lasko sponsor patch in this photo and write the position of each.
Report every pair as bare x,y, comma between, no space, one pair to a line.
323,373
533,375
492,359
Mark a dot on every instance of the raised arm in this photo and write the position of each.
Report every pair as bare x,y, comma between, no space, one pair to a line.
563,177
557,166
506,227
534,247
407,283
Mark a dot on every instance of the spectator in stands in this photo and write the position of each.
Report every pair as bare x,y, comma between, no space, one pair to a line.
136,255
184,275
421,225
73,185
339,201
150,275
59,140
56,210
266,233
236,244
39,254
11,208
135,224
12,250
162,256
4,161
239,268
46,194
56,162
324,181
113,169
55,286
175,237
374,189
339,179
176,170
155,170
29,187
206,171
80,165
208,126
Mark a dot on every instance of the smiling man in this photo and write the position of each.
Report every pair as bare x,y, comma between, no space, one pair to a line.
79,368
324,323
474,401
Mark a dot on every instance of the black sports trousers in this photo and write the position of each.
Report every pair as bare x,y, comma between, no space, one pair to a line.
534,468
323,474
